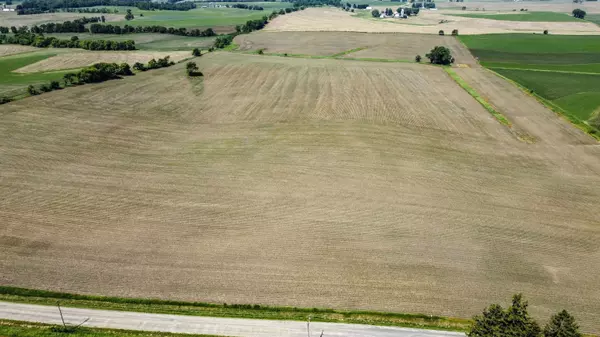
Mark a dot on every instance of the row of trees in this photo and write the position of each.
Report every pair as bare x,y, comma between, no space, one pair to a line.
317,3
76,26
40,41
110,29
244,6
154,64
426,5
349,5
515,321
45,6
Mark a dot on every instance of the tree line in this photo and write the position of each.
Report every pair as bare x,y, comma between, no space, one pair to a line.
49,6
27,38
114,29
515,321
316,3
244,6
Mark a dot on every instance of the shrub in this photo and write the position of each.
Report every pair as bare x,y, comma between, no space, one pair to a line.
441,32
45,88
285,54
418,58
4,100
196,52
545,32
455,32
260,52
223,41
192,69
578,13
375,13
464,8
139,66
54,85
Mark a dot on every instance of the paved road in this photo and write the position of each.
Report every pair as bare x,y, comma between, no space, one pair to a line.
203,325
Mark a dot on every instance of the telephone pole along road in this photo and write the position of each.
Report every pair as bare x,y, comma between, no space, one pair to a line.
203,325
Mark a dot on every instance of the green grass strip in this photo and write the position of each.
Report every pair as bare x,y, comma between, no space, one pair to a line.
42,297
500,117
28,329
556,109
346,52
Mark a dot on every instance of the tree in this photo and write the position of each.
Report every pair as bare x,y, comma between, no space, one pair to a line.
192,69
455,32
441,32
54,85
562,325
32,91
545,32
196,52
418,58
129,15
375,13
139,66
69,78
440,55
578,13
512,322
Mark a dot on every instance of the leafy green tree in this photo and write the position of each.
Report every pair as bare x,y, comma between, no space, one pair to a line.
579,13
440,55
54,85
455,32
562,325
191,67
512,322
69,78
196,52
441,32
418,58
32,90
129,15
139,66
375,13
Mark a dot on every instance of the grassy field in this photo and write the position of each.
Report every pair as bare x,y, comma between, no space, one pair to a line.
27,329
231,310
595,18
158,42
562,69
13,84
301,182
220,19
523,16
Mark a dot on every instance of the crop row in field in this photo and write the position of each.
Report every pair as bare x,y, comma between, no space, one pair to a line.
301,182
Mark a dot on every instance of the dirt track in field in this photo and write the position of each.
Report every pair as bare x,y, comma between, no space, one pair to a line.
11,49
314,183
78,59
396,46
427,22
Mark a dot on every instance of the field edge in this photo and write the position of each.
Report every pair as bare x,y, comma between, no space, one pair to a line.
254,311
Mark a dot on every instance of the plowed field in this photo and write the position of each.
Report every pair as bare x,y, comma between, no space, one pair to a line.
80,59
314,183
379,46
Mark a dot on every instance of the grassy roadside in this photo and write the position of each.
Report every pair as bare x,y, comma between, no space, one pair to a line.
26,329
42,297
500,117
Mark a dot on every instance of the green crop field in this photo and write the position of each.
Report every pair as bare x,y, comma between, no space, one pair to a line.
524,16
595,18
149,41
14,84
563,69
199,17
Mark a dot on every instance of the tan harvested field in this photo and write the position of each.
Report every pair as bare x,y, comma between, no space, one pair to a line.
427,22
288,181
383,46
530,118
11,49
8,19
79,58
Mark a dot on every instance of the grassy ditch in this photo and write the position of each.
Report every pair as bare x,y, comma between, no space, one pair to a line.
42,297
500,117
26,329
